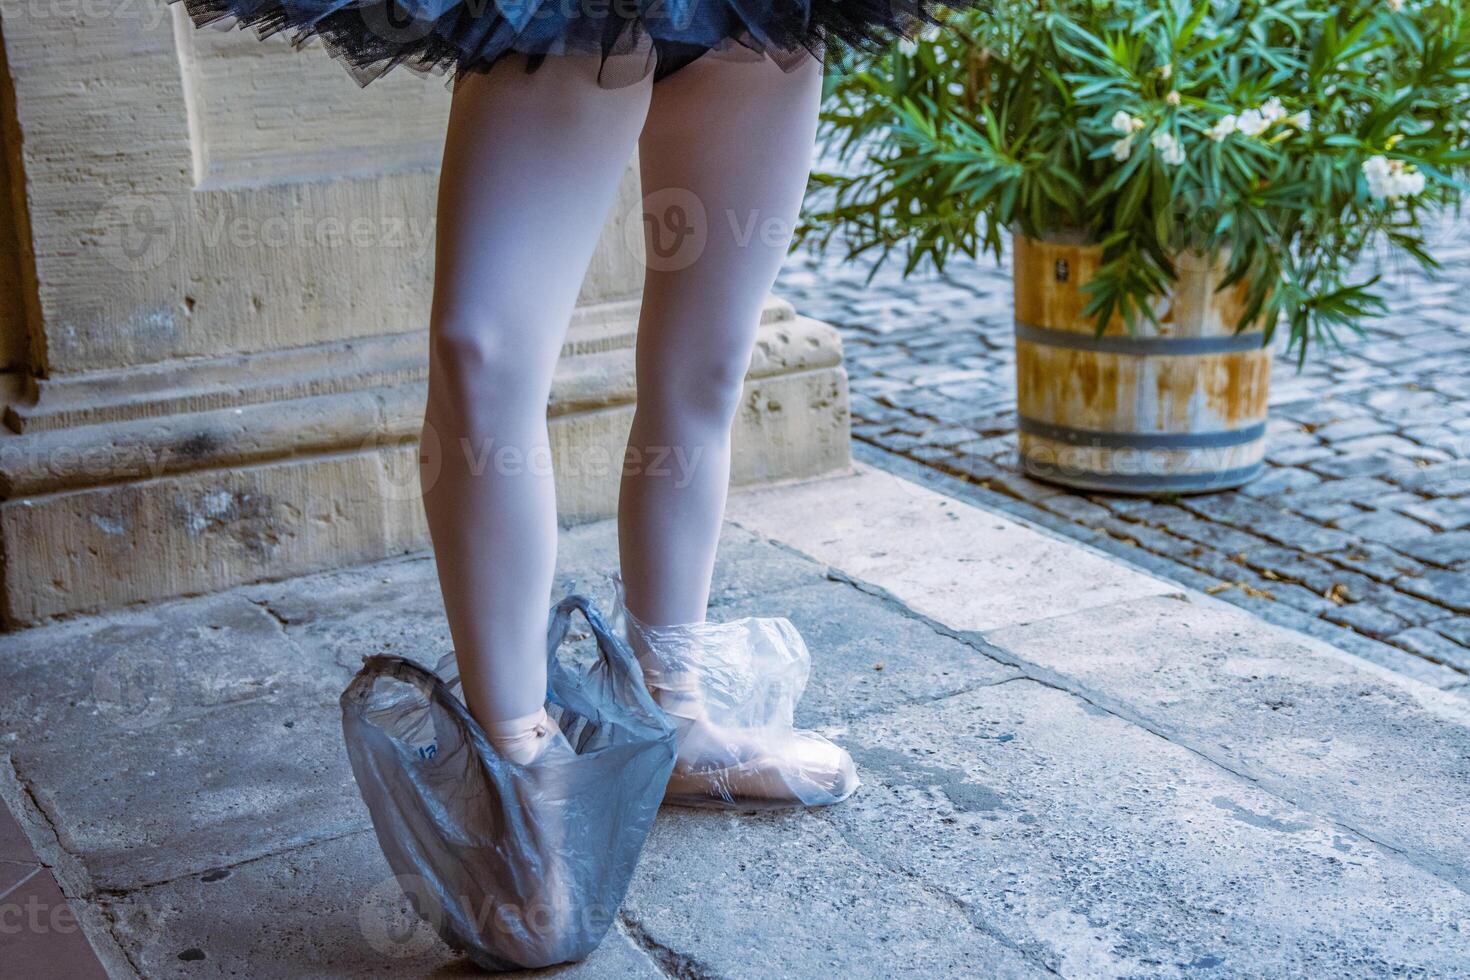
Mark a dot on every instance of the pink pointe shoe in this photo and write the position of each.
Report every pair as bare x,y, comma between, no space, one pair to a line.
731,690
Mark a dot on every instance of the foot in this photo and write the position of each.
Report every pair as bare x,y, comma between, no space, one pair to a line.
529,740
536,744
731,689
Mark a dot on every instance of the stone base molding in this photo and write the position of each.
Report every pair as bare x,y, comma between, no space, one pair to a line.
194,476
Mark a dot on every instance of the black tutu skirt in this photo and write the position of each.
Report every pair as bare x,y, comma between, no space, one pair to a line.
633,37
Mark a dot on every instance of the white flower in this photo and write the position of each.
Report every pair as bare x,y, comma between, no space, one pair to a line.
1376,168
1126,124
1169,148
1166,72
1223,128
1251,122
1302,120
1396,5
1390,180
1254,122
1123,149
1172,98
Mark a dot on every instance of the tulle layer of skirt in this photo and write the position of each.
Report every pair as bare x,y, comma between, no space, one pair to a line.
632,37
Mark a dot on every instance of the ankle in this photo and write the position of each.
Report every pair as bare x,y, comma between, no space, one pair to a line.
522,740
675,686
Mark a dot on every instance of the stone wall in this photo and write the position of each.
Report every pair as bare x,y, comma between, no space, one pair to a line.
218,376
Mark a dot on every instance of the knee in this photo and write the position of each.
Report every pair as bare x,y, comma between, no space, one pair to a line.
479,372
702,389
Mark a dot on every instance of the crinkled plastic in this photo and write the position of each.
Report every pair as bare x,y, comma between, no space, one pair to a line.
731,689
519,866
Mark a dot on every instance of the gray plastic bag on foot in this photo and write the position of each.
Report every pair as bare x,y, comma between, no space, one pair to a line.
518,866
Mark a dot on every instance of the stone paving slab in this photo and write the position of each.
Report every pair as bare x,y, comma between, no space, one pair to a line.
215,789
1368,750
748,566
347,615
931,552
328,910
1128,545
1260,699
1104,850
112,676
874,657
784,895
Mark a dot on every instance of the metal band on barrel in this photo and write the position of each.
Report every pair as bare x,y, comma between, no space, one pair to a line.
1218,439
1141,346
1146,482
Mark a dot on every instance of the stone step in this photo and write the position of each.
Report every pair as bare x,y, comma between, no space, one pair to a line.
1382,755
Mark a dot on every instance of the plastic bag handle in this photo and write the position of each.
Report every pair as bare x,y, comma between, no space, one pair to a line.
613,649
428,683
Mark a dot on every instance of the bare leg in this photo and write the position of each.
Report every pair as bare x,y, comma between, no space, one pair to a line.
725,152
532,163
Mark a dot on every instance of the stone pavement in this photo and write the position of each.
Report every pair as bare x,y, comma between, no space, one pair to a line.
1359,532
1070,768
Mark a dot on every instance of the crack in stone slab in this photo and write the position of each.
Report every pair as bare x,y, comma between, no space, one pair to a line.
920,700
265,606
114,893
669,961
283,625
69,867
969,912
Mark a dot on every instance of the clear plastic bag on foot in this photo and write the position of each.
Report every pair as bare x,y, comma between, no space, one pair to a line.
731,690
518,866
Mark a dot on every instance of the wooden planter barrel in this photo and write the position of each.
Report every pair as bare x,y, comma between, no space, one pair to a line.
1178,407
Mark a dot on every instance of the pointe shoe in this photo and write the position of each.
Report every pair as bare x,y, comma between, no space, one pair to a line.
529,739
731,690
535,743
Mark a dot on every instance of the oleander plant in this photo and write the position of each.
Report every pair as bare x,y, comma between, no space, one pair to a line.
1289,135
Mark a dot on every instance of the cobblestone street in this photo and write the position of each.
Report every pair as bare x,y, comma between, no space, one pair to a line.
1358,532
